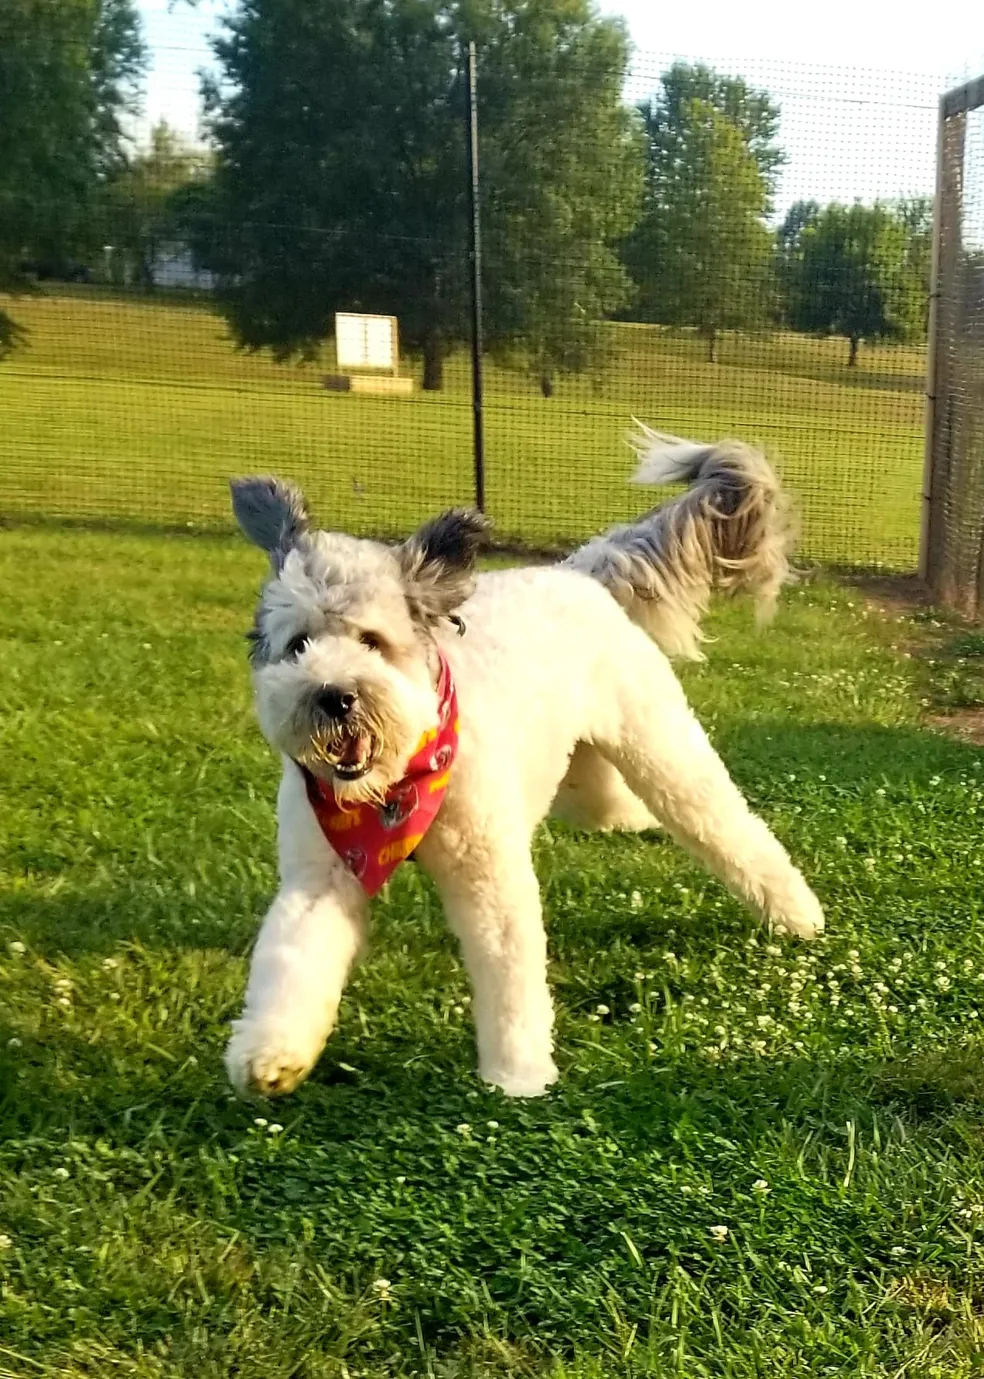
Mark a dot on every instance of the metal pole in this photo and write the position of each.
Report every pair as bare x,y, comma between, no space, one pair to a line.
927,571
475,255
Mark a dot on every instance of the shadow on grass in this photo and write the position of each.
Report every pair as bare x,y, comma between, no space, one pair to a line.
845,755
157,912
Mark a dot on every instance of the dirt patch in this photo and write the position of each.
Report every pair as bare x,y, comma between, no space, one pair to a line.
967,725
948,651
899,595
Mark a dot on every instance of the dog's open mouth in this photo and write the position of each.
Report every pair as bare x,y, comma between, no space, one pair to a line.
350,756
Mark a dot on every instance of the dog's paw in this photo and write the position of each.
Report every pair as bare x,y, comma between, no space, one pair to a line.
527,1080
804,919
266,1065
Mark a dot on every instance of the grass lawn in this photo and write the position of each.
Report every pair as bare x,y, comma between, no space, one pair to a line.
123,408
823,1104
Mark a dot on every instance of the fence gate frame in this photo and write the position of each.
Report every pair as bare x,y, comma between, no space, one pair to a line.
944,307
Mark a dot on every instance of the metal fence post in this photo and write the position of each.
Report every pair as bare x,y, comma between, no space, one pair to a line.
927,570
475,257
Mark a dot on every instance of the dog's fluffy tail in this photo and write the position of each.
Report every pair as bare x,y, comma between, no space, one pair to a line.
730,531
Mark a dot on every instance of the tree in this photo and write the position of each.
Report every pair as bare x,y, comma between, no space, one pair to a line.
703,255
68,70
858,271
147,204
341,181
753,114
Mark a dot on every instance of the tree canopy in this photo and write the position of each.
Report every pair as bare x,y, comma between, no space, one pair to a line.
702,254
857,271
341,181
68,70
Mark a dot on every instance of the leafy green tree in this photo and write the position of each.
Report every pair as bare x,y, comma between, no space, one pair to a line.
667,119
703,254
68,70
858,271
147,204
341,180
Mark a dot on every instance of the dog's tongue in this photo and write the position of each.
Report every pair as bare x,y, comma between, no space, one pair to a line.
356,749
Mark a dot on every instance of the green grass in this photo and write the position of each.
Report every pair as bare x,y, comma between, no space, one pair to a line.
131,409
153,1226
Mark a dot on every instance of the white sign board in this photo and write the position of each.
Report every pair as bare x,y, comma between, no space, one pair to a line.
366,342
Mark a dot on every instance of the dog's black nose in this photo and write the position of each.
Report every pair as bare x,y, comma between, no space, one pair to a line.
334,702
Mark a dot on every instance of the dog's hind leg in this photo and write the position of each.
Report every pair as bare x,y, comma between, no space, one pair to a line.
656,743
594,795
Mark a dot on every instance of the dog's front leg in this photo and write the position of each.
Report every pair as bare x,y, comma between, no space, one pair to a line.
309,940
492,903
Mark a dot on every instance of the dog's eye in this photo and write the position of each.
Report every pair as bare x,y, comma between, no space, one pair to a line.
370,640
296,645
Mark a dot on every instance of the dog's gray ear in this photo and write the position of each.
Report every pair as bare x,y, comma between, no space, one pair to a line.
438,562
272,514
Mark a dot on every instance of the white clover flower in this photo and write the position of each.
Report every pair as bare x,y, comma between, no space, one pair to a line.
880,791
457,1010
382,1286
401,1178
602,1010
65,1002
262,1122
17,948
62,1173
773,950
635,900
719,1232
869,862
671,958
492,1124
760,1185
114,995
15,1043
821,1288
464,1128
639,976
110,964
841,841
5,1242
897,1250
275,1129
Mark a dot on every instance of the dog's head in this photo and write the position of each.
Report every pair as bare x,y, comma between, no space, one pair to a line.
343,652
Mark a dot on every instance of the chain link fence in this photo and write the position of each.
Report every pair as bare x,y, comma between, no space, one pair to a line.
131,402
953,542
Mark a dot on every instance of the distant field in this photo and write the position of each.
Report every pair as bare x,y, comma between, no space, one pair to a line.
140,409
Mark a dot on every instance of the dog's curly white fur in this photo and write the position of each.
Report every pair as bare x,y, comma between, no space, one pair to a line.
565,702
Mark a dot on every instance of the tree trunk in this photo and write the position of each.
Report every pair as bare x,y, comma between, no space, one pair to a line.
546,385
712,346
433,380
852,358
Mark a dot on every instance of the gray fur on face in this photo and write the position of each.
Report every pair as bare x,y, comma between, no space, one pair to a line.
273,514
438,563
321,576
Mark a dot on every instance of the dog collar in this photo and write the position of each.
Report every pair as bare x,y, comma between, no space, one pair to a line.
372,840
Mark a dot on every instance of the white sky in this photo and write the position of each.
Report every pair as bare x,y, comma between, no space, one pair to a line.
857,80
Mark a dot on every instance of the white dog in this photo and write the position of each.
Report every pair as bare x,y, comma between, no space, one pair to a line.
374,665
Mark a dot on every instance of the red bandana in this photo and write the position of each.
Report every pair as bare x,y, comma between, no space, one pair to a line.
372,840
